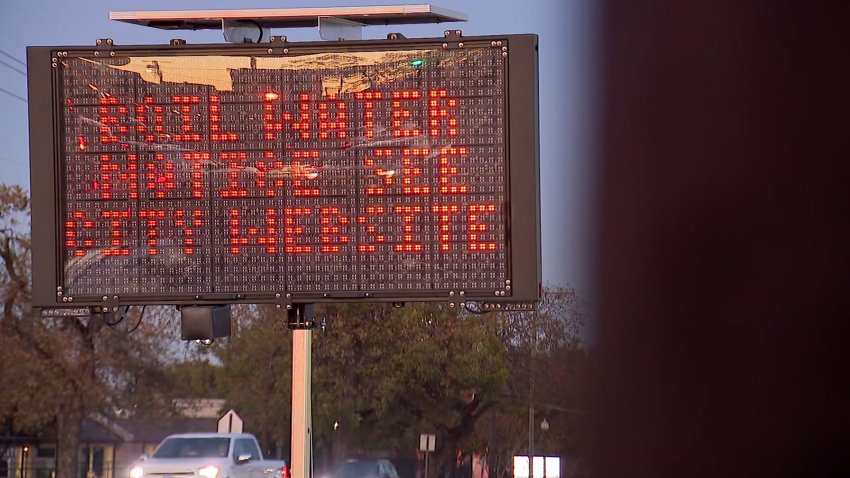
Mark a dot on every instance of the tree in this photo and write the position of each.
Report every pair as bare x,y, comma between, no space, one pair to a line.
196,378
386,375
382,376
14,248
55,372
548,370
255,374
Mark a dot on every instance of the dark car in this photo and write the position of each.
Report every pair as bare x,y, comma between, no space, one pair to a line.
366,468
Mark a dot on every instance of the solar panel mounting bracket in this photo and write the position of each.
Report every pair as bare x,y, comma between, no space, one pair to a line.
254,25
244,31
338,29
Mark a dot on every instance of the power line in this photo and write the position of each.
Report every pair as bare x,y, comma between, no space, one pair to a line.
14,95
12,67
12,57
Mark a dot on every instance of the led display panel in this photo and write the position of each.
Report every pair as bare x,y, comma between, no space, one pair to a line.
364,170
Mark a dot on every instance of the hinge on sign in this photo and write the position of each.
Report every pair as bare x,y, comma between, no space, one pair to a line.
277,39
395,36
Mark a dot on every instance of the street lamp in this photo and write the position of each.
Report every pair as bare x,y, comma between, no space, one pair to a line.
544,426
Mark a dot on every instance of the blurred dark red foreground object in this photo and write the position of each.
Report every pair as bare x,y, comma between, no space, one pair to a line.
723,238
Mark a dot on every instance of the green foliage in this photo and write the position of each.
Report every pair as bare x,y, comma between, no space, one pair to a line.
196,379
255,377
387,375
549,370
382,376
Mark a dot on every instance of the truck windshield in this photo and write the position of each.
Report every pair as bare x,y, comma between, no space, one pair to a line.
357,470
193,447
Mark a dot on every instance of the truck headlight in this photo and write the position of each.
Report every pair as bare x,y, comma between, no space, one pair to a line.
208,472
137,472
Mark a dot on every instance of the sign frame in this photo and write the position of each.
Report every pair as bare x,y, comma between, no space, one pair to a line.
523,165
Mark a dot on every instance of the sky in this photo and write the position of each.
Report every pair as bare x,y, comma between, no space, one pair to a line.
567,49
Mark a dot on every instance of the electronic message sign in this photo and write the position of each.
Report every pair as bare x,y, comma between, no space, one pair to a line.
371,170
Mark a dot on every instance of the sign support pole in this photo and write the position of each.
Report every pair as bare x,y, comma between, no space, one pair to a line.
300,320
427,444
301,416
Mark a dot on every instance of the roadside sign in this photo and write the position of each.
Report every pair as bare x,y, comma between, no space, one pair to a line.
427,442
231,422
393,171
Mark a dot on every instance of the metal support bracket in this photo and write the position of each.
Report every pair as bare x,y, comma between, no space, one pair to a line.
109,305
103,44
453,39
103,47
300,317
453,35
236,31
395,36
331,28
283,301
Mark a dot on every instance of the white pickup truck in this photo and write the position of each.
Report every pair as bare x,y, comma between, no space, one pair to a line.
209,455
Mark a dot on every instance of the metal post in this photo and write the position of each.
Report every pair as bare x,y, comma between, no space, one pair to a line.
90,472
301,419
426,464
299,318
24,453
532,377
